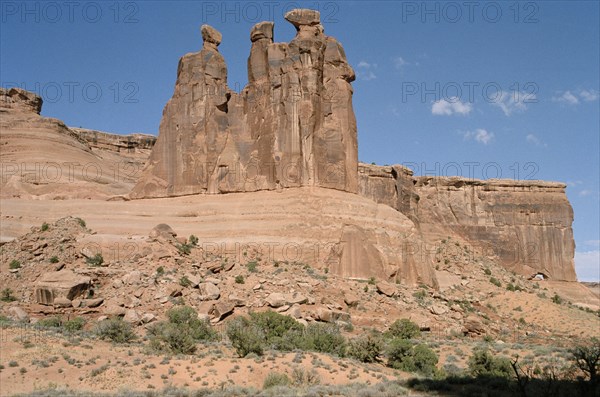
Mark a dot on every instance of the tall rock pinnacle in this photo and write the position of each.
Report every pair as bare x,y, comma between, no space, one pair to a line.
293,124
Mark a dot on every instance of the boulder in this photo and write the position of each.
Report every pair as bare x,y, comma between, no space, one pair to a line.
63,284
208,291
276,299
386,289
18,314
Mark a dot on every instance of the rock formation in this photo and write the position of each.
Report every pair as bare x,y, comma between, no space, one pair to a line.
525,225
41,157
293,124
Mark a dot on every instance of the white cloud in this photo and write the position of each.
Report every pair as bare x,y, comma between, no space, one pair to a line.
587,264
399,62
365,70
589,95
574,183
592,243
480,135
531,138
511,102
447,107
585,192
566,97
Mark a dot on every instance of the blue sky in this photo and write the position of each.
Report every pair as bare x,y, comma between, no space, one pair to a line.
482,89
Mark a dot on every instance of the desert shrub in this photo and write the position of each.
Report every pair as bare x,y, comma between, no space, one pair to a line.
495,281
81,222
96,260
487,271
160,271
365,348
251,266
404,329
7,296
304,377
273,324
324,338
372,281
239,279
557,299
276,379
115,330
181,332
167,337
45,227
405,356
14,264
193,240
245,337
54,259
184,249
184,281
73,325
483,363
50,322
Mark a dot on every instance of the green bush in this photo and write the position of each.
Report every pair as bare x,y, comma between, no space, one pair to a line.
557,299
81,222
184,281
274,325
276,379
483,363
405,356
115,330
73,325
365,348
193,240
167,337
50,322
324,338
245,337
96,260
495,281
184,249
14,264
54,259
404,329
251,266
487,271
239,279
7,296
45,227
181,332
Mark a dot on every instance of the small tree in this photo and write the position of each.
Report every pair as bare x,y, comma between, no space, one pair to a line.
587,359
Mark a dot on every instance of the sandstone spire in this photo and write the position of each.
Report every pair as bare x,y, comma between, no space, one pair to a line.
292,125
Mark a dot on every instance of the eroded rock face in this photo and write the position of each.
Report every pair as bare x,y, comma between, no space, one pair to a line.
293,124
17,99
64,285
526,225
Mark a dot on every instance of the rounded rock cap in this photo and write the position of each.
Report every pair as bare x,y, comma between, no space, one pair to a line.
211,35
262,30
303,16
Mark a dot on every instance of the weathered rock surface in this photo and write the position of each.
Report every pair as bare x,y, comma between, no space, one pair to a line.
526,225
44,159
292,125
63,284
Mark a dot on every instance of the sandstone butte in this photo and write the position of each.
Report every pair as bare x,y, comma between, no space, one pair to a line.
288,142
